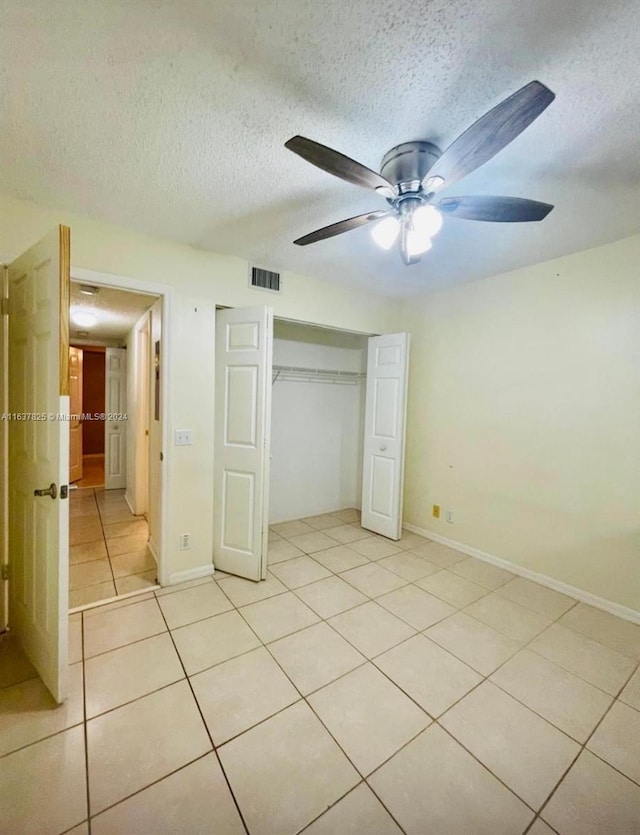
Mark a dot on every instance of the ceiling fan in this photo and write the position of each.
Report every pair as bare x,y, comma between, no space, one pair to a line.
413,174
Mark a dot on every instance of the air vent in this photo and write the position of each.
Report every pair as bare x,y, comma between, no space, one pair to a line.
265,279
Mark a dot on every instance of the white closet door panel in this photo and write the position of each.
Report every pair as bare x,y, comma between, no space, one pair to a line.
384,434
242,440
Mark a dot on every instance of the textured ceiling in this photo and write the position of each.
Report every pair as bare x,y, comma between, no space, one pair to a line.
117,311
170,118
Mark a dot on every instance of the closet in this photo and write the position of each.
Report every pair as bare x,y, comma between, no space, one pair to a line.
317,420
307,420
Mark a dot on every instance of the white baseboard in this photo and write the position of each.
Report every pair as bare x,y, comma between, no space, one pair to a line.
154,552
129,503
190,574
298,517
550,582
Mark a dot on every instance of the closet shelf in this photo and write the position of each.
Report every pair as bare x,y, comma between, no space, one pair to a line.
293,373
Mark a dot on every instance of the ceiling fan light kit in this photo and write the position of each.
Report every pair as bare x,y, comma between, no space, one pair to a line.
413,174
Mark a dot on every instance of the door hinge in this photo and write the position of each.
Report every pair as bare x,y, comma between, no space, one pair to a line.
5,571
4,306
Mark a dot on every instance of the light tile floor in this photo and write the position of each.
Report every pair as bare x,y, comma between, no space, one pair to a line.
108,554
453,699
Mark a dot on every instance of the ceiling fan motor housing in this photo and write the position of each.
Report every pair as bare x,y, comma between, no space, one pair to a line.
406,165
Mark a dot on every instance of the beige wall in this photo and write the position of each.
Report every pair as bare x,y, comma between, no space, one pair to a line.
221,278
524,418
201,280
524,399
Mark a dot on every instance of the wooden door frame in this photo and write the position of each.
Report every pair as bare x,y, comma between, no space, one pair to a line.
165,292
4,448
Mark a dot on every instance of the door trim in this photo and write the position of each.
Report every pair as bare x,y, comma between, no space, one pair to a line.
4,449
152,288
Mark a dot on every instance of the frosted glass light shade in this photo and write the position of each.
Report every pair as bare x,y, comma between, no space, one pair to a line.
416,242
427,220
385,232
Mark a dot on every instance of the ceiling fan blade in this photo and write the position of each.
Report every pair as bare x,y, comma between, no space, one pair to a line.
339,165
339,227
490,134
496,209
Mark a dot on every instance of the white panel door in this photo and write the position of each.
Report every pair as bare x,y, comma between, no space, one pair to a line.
38,395
384,434
115,426
244,340
75,406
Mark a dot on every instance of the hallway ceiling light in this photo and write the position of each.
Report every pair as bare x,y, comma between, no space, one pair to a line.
89,290
84,319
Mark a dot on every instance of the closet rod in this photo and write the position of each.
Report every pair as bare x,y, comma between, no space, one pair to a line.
316,375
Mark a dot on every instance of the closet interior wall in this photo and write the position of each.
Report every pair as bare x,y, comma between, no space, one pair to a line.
317,420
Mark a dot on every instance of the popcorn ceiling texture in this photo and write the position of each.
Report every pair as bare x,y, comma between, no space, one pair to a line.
170,118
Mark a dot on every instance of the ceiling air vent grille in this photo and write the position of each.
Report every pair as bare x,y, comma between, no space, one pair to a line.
265,279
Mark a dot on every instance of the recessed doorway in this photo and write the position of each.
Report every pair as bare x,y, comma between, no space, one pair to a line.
112,383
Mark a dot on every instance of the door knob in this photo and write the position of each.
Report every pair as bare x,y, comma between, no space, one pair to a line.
51,490
383,447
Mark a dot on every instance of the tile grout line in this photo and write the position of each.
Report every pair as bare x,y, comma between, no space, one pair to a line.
372,661
584,748
104,541
206,727
485,678
175,771
148,786
310,706
85,728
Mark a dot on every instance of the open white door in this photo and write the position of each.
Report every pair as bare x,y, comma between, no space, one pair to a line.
384,434
115,426
244,345
39,456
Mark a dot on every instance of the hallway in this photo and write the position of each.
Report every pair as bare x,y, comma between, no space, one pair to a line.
108,552
92,471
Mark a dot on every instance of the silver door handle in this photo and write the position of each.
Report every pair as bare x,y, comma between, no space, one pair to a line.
383,447
51,490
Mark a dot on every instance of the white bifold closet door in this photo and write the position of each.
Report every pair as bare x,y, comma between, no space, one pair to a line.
244,345
384,434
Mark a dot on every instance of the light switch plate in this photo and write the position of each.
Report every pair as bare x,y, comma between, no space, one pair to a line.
183,437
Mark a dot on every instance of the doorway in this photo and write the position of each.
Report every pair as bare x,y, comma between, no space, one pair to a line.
112,378
317,420
87,393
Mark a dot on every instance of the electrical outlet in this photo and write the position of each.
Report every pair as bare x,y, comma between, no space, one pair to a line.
449,515
183,437
436,511
185,541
